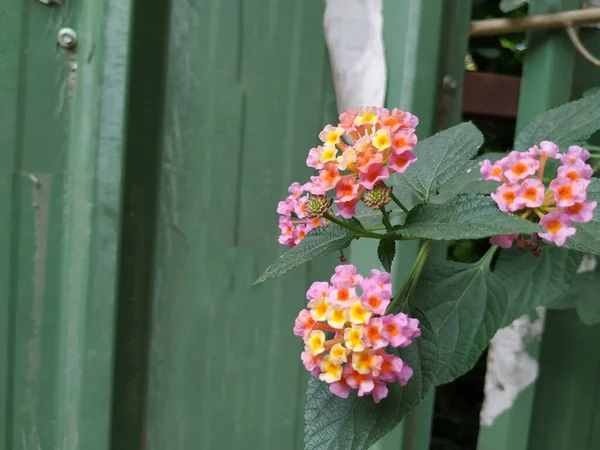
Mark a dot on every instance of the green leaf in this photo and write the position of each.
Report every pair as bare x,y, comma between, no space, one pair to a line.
319,242
467,216
465,305
568,124
441,158
590,92
469,180
587,238
535,281
358,422
510,5
386,250
588,301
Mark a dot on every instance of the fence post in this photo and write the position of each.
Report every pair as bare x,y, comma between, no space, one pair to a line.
545,83
62,108
566,408
426,44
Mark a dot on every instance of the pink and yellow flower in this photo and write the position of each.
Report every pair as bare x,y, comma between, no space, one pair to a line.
356,157
559,227
373,332
581,212
518,166
314,343
531,193
522,189
568,192
304,323
504,240
331,135
491,171
353,339
506,196
346,333
330,371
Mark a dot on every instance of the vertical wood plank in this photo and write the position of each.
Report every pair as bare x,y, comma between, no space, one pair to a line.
143,122
246,96
32,163
425,41
545,83
10,94
566,407
567,397
59,173
91,235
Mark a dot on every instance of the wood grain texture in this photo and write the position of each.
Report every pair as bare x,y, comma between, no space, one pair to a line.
566,407
248,91
60,189
34,112
545,84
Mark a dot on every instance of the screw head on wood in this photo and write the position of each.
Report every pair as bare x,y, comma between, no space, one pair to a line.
67,38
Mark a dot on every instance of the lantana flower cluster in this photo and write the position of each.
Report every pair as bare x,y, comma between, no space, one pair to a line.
356,157
346,331
555,207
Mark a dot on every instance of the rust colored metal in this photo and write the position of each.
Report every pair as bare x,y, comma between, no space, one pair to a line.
489,94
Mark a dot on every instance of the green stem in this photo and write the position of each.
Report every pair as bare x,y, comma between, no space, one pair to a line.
375,228
386,218
361,232
413,277
592,147
398,202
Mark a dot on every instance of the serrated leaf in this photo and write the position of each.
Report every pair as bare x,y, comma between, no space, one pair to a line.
590,92
469,180
319,242
535,281
566,125
587,299
386,250
587,238
441,158
465,305
467,216
358,422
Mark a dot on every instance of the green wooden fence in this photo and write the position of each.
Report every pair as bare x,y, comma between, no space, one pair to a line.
139,173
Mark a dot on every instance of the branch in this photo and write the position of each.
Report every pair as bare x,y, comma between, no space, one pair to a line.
493,27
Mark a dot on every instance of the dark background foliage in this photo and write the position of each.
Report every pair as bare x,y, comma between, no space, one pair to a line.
457,404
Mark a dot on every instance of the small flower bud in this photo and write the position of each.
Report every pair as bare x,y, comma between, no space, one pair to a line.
379,195
316,206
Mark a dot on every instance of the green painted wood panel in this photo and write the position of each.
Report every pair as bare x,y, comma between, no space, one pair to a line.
33,100
566,409
60,168
545,83
425,41
248,90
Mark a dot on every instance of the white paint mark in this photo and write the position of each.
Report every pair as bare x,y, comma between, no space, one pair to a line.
588,263
510,368
354,35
